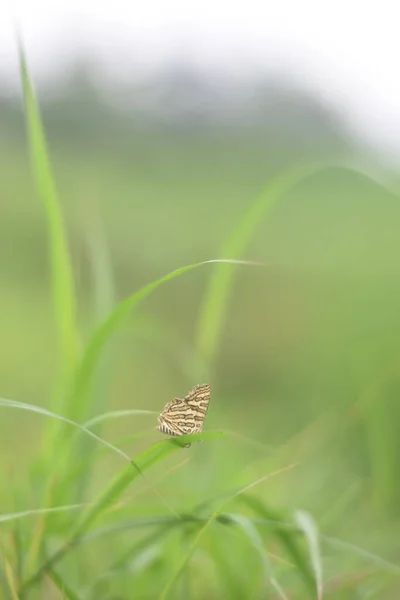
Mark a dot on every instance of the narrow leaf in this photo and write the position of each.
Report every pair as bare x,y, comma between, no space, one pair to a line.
307,525
170,583
61,269
214,306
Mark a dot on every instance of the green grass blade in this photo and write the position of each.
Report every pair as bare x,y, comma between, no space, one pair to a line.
80,396
142,463
116,414
8,572
48,413
307,525
61,270
39,511
170,583
211,317
286,537
255,539
63,587
378,561
114,490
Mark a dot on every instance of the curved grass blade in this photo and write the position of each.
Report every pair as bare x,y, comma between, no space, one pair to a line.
116,414
80,394
286,537
177,442
66,591
281,526
170,583
112,493
39,511
213,308
255,539
271,518
307,525
61,270
79,477
48,413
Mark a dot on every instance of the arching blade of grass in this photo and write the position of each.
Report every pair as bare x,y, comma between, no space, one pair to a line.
286,537
80,394
255,539
154,454
39,511
170,583
308,527
214,306
116,414
48,413
113,492
61,270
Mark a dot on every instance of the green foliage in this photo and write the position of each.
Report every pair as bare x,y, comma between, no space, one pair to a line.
181,522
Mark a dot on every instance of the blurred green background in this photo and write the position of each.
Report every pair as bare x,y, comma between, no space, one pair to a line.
307,368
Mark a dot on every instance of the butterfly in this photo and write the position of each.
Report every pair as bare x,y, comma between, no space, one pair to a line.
186,415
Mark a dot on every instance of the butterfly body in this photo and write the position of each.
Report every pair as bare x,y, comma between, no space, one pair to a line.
184,416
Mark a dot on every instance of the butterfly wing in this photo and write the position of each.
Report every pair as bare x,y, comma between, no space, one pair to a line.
186,416
174,418
198,400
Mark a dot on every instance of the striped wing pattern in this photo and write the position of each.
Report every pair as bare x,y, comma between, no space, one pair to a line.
185,416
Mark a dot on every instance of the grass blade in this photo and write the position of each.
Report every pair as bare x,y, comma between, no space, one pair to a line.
211,317
251,532
285,536
116,414
8,572
48,413
170,583
307,525
61,270
114,490
60,584
39,511
80,395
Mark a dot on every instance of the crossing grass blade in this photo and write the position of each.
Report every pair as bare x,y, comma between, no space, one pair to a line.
250,530
214,306
62,586
61,269
170,583
308,527
113,492
287,539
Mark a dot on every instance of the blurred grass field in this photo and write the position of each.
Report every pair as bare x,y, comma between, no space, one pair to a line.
293,492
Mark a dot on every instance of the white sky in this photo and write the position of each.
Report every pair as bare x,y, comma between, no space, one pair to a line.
348,50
